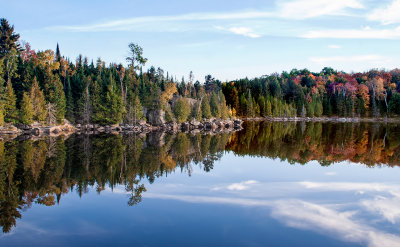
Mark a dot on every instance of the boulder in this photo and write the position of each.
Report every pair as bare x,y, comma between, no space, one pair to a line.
156,117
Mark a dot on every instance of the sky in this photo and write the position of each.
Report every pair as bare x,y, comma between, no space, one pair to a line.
228,39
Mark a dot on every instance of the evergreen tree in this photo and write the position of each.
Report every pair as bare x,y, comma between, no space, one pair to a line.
134,110
214,105
268,108
8,39
112,105
38,102
205,108
9,99
26,111
196,112
181,110
224,107
249,108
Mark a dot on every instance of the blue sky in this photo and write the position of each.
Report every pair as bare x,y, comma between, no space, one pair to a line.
229,39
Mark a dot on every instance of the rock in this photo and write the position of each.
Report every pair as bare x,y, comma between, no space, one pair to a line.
156,117
35,131
195,123
185,126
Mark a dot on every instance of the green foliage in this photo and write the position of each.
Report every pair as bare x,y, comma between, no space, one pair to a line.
26,111
1,115
112,108
205,108
181,110
196,112
38,102
134,110
8,100
214,105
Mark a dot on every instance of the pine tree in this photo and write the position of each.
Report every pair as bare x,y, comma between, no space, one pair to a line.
26,111
205,108
249,108
9,104
224,107
181,110
196,112
268,108
214,105
134,110
8,39
38,102
112,105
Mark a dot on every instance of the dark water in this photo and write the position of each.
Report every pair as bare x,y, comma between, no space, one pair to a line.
271,184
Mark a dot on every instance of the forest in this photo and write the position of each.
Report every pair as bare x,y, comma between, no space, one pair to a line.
46,87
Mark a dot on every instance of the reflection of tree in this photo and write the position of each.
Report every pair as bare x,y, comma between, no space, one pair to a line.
41,171
366,143
135,189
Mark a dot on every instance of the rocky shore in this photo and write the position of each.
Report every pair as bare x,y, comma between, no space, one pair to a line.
208,125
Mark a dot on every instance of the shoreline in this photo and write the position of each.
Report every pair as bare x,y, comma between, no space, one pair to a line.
324,119
11,131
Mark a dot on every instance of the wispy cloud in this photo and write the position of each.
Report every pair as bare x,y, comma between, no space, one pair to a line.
325,219
388,14
366,33
237,186
334,46
244,31
303,9
291,10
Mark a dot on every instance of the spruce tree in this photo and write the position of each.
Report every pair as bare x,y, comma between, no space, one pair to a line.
181,110
196,112
9,99
224,107
134,111
38,102
268,109
26,111
205,108
113,104
214,105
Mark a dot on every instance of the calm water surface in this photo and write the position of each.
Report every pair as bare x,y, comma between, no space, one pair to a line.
271,184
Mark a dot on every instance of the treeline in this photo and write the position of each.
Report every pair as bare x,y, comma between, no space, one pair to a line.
330,93
46,87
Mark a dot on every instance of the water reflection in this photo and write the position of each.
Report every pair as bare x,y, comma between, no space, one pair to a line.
367,143
41,171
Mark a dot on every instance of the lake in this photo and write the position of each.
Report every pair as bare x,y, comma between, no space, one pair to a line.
270,184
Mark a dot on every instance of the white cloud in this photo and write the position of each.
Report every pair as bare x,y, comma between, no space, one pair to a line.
302,9
366,33
388,207
237,186
297,9
334,46
242,185
327,220
245,31
387,15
